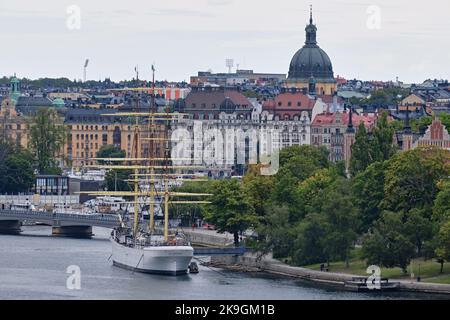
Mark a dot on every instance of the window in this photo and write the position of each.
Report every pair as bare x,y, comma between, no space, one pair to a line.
289,103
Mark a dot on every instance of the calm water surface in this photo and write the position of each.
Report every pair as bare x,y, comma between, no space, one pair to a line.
33,266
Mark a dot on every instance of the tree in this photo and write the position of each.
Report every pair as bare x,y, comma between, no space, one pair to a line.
386,244
110,151
230,210
276,234
257,188
47,137
311,193
297,163
343,217
441,215
328,196
115,180
188,213
411,178
309,246
441,208
16,169
443,244
361,155
382,140
368,193
418,227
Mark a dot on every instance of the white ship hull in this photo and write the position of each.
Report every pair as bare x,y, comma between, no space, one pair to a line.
169,260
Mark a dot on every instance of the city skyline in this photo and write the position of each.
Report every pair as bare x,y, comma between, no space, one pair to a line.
369,40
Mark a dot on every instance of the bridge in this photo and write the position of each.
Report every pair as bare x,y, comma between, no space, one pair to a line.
66,224
80,225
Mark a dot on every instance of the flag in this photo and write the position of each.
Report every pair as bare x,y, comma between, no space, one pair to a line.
153,68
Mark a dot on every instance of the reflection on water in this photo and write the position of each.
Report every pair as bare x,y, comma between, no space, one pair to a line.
33,266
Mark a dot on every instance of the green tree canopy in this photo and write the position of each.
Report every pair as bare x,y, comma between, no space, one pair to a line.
368,193
16,169
387,245
115,180
110,151
411,178
361,155
46,140
230,210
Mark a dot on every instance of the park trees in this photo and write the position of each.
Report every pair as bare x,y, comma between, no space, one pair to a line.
361,156
16,169
387,244
377,147
368,193
230,209
411,178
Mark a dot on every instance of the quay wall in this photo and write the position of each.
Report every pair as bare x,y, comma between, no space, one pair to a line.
270,265
208,239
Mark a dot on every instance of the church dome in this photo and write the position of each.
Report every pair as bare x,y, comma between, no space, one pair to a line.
311,60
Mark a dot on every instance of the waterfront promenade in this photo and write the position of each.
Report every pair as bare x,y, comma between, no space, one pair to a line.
273,266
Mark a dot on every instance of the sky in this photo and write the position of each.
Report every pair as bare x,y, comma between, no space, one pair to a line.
369,40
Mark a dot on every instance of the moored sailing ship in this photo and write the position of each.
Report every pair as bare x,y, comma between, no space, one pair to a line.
140,247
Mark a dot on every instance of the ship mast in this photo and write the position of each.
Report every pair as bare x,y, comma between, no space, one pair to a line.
151,149
135,150
150,167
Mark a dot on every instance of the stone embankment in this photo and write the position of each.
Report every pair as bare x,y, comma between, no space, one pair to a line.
252,262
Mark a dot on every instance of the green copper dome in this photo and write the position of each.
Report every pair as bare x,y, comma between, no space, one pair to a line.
59,103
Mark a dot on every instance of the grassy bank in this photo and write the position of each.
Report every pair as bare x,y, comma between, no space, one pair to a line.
429,270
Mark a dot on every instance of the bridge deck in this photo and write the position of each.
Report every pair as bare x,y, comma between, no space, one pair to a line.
61,219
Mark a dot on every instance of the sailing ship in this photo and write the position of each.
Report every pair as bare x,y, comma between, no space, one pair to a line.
145,247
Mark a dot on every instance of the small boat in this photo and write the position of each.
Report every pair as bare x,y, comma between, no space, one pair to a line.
360,284
193,267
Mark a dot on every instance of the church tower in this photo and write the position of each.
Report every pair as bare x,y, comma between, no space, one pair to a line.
349,140
14,89
311,62
407,143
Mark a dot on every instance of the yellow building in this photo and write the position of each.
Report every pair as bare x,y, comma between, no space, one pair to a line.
13,127
90,129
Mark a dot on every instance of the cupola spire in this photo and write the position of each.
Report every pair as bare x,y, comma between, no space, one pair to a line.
311,30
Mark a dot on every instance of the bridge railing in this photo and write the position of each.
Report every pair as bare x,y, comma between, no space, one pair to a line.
64,217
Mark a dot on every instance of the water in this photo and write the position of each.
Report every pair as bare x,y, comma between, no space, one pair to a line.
33,266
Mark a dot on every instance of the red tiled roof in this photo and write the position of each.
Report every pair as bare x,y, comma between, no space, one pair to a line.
213,98
283,100
330,118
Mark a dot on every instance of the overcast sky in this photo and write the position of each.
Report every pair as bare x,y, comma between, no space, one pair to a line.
371,40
